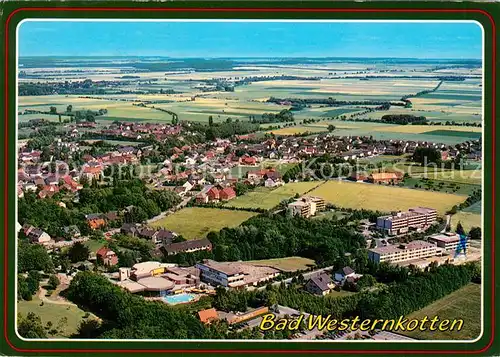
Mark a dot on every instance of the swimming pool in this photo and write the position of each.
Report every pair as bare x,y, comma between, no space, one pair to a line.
179,298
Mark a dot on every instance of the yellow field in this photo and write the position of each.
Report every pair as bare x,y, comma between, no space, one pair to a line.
296,130
285,264
384,198
467,219
197,222
419,129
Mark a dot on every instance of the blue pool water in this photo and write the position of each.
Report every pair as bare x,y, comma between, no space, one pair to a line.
179,298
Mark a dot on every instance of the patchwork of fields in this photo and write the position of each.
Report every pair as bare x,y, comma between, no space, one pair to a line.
197,222
384,198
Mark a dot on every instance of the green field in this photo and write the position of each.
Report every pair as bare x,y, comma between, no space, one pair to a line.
461,134
267,198
441,186
197,222
54,313
464,304
384,198
285,264
475,208
467,219
54,118
339,111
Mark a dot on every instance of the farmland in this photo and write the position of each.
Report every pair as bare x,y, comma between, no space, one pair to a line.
196,222
382,198
467,219
267,198
464,304
285,264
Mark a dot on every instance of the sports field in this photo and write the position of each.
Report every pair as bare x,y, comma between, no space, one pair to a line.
467,219
285,264
464,304
267,198
197,222
384,198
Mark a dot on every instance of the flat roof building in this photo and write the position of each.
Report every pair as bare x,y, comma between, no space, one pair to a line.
234,274
402,222
416,249
448,241
306,206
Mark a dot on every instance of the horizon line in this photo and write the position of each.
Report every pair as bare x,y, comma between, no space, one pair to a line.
249,57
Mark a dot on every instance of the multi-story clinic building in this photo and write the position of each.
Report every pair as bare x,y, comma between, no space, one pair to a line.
401,222
448,241
416,249
306,206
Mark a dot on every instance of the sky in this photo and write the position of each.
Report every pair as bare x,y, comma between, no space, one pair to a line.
251,39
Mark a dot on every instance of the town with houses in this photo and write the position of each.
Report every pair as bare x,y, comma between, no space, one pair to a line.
212,174
202,181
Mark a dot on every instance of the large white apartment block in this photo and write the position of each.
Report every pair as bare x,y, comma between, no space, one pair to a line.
402,222
416,249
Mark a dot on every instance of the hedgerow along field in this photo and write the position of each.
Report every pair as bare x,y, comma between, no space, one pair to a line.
267,198
197,222
384,198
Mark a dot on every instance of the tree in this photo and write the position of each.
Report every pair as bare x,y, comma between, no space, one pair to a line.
475,233
53,282
426,156
460,230
88,329
30,326
331,128
53,110
33,257
366,281
210,121
33,281
78,252
69,108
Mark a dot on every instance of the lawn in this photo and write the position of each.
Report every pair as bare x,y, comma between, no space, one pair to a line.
467,219
384,198
54,313
464,304
267,198
197,222
94,245
285,264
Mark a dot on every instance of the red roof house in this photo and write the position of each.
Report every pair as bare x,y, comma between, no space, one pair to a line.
213,194
227,194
